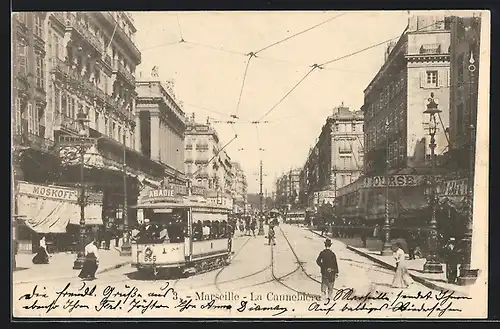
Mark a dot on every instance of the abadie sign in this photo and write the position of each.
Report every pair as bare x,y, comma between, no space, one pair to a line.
53,192
395,181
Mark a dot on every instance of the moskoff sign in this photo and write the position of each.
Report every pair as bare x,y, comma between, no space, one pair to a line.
44,191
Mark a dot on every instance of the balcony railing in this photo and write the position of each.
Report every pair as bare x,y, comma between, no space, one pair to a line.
37,141
430,49
109,16
84,32
118,67
126,112
68,122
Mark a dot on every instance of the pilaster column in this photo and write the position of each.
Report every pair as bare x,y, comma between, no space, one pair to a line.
137,132
155,136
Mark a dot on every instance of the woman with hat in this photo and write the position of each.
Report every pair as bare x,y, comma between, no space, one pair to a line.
327,261
402,278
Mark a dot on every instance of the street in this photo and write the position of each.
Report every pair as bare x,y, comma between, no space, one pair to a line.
278,280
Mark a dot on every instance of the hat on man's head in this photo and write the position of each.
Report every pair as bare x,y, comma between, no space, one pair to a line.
328,242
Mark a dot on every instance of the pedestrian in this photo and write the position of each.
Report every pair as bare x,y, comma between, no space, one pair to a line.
402,278
253,225
452,260
327,261
42,256
91,262
412,239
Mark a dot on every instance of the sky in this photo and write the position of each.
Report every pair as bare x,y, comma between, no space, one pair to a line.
208,71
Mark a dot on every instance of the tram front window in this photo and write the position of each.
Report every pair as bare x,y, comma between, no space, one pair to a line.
163,226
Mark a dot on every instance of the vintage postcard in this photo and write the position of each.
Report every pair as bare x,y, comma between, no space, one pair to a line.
318,164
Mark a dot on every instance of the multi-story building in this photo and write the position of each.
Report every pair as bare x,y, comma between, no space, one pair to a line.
239,185
416,66
201,146
288,187
161,128
88,70
337,158
465,46
396,141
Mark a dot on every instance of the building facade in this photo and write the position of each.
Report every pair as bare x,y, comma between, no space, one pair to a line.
336,159
240,186
161,127
85,67
288,188
465,46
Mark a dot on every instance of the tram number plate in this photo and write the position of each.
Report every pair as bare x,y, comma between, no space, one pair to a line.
150,258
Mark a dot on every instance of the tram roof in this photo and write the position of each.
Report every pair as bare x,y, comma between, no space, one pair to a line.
185,204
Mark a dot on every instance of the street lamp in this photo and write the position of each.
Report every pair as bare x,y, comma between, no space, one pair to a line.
386,248
126,249
432,265
81,119
468,275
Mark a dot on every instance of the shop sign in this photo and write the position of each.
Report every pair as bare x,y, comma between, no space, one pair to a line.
457,187
163,193
395,181
53,192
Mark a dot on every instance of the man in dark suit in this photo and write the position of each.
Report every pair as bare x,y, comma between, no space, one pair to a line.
327,261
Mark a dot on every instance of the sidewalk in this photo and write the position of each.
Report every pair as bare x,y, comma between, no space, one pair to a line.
415,266
61,266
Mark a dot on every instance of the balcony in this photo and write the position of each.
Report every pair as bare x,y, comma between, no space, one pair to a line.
125,112
119,68
73,24
120,33
430,49
36,141
59,16
68,123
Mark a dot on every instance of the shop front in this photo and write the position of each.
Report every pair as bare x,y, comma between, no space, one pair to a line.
52,211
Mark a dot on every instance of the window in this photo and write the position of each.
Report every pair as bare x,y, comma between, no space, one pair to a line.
432,78
106,131
38,26
119,134
113,130
132,140
18,116
56,47
460,69
30,118
96,121
39,71
64,105
460,119
23,60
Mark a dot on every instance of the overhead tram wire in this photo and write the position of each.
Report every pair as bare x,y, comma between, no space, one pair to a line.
180,29
250,56
215,156
315,66
377,44
320,66
299,33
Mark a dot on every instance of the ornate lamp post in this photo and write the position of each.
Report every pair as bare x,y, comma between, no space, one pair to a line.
386,248
432,265
126,249
468,275
81,119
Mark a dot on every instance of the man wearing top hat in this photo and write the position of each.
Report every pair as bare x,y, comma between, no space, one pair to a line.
327,261
452,260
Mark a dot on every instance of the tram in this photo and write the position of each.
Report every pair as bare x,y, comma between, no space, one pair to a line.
181,238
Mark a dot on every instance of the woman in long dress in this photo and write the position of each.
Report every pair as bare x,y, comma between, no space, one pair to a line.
42,256
402,278
91,262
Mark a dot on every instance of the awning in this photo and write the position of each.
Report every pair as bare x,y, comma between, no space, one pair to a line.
44,215
93,214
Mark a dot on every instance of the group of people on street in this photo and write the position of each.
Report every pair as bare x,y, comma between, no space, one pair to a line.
90,264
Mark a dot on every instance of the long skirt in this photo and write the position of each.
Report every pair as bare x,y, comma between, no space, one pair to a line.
41,256
402,278
89,267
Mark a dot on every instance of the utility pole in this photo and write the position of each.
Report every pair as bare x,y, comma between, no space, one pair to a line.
261,196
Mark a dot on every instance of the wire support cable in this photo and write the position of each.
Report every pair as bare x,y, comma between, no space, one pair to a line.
299,33
289,92
251,55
